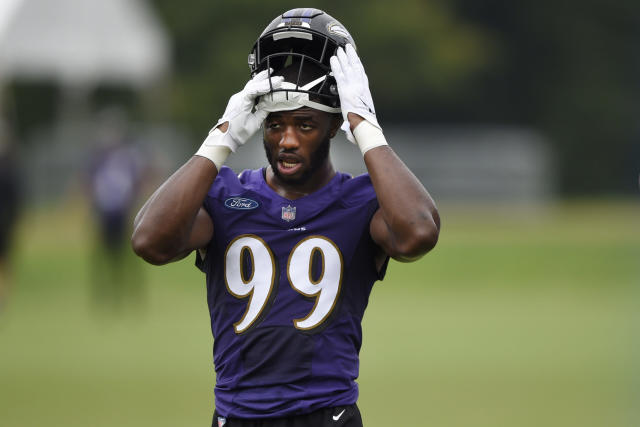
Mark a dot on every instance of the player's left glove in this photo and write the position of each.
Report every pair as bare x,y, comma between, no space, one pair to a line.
353,88
355,97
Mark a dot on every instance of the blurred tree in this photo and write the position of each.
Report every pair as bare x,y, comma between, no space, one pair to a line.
562,67
30,106
413,51
568,69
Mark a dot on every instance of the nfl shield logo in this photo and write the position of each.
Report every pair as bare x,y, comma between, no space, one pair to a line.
221,421
288,213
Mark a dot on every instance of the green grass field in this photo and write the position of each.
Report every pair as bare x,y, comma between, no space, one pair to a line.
518,318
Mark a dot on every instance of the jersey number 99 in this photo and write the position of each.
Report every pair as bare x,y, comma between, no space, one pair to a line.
324,287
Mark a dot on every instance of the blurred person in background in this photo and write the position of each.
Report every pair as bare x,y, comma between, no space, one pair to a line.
115,174
291,251
9,208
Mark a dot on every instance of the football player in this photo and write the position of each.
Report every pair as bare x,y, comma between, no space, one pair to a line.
291,250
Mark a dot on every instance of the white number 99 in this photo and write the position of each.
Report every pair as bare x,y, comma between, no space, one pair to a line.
325,288
258,285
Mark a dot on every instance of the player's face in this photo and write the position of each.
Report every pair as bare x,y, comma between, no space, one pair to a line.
297,143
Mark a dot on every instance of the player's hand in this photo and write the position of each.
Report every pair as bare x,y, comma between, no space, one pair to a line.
243,121
353,88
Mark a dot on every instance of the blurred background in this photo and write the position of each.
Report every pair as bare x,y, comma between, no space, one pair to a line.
521,118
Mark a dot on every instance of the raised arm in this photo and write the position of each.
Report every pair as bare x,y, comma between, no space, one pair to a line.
172,223
407,224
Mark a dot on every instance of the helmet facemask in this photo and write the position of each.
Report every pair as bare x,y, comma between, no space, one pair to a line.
303,86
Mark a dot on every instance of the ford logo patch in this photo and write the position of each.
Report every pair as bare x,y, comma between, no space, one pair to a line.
240,203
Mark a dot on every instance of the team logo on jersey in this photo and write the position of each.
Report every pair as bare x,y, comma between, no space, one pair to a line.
240,203
221,421
288,213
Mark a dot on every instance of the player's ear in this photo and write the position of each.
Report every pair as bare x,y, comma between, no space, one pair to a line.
336,122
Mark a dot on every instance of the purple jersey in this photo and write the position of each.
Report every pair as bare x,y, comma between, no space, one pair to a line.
287,285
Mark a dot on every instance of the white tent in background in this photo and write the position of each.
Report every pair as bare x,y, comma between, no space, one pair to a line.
80,43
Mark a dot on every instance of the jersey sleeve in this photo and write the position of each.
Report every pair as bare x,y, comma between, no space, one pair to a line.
359,191
201,255
225,183
383,269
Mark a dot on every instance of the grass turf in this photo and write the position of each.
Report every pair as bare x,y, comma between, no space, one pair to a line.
518,318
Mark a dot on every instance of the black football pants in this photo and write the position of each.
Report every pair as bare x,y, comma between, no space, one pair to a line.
339,416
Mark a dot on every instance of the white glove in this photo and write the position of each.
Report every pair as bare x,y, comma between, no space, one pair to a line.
353,88
243,121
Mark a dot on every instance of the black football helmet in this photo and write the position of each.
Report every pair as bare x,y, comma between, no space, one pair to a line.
302,40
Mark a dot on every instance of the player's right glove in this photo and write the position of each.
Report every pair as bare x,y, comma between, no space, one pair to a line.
243,120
